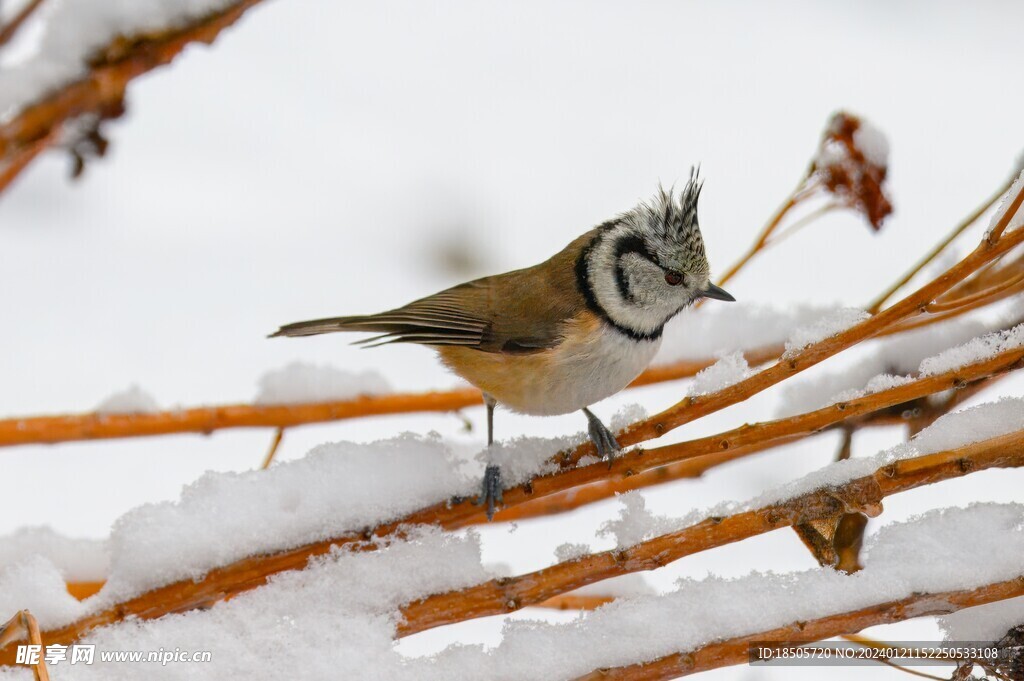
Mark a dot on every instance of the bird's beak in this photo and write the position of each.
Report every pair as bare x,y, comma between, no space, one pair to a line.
718,293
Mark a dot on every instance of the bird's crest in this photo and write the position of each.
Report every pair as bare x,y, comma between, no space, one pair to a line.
669,223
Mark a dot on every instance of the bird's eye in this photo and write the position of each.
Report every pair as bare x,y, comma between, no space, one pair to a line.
673,278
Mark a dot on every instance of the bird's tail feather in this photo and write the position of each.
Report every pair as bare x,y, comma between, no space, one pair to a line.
333,325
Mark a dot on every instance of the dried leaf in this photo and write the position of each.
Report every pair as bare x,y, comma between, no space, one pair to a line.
852,164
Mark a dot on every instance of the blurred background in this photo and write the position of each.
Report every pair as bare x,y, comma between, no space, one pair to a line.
328,158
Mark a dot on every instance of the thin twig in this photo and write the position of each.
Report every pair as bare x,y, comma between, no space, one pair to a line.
274,444
804,221
24,625
7,31
1011,285
877,304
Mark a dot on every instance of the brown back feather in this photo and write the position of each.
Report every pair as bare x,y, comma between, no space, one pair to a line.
519,311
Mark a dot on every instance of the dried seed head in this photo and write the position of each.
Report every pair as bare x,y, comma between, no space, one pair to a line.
851,163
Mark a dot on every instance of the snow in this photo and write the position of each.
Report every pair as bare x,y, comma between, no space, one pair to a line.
635,523
973,351
525,457
570,551
75,29
713,329
728,370
875,384
340,611
873,143
625,586
1004,206
627,415
988,622
302,382
35,584
826,326
132,400
974,424
831,153
78,560
223,517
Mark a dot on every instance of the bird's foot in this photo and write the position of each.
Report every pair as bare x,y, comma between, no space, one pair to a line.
490,494
607,445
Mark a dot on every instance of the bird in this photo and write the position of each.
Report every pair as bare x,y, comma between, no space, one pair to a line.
561,335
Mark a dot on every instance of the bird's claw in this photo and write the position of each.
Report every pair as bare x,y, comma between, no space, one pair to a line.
606,444
490,494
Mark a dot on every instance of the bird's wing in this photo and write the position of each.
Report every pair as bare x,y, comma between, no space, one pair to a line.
520,311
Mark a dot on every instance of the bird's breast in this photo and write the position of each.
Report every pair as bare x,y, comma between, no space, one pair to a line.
593,361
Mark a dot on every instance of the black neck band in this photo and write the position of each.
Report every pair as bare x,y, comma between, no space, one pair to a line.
626,245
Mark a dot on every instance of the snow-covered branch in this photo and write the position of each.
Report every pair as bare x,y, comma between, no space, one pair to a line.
87,75
736,650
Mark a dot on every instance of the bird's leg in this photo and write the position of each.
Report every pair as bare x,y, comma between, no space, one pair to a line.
490,403
607,446
490,495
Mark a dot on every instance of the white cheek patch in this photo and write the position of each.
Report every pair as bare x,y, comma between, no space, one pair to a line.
650,302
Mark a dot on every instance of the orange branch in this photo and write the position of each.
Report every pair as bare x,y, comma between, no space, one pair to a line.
576,602
72,427
21,158
205,420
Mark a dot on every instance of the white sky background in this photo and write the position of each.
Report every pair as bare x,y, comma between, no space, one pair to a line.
311,163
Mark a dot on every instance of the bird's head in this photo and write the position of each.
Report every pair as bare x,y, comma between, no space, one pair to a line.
648,264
